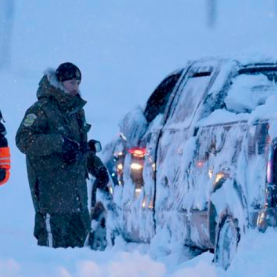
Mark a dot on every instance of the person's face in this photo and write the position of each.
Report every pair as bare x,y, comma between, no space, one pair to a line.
72,86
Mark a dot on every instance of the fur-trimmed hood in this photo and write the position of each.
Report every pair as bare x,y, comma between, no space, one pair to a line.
51,76
50,87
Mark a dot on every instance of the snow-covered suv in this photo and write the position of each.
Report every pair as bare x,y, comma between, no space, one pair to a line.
205,168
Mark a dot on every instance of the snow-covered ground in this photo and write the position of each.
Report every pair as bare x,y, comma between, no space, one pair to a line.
124,49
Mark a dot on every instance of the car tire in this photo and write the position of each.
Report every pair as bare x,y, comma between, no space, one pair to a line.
227,239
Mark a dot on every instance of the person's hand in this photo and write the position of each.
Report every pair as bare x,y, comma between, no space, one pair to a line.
71,149
2,174
84,148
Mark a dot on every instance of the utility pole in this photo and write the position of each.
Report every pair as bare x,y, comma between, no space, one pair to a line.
6,24
211,13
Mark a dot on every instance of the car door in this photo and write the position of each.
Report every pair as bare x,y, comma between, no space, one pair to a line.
176,147
138,195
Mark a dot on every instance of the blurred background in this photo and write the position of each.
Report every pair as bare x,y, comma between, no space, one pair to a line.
124,48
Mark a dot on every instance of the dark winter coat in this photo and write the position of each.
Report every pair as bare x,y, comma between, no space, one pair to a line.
56,187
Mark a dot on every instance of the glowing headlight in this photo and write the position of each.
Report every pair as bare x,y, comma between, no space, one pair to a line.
120,166
137,192
136,166
219,176
261,218
143,203
210,173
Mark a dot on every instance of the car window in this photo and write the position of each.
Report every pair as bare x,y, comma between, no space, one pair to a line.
157,101
249,90
188,100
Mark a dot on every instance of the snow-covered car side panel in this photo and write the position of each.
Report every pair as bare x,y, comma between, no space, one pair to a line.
207,157
137,198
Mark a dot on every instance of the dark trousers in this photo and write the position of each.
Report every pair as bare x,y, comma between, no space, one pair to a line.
62,230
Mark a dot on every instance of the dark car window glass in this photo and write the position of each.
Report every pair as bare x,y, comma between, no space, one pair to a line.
188,101
157,102
249,90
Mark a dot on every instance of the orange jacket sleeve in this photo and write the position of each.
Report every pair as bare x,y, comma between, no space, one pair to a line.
5,163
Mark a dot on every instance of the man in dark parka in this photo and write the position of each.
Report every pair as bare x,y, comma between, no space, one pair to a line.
53,135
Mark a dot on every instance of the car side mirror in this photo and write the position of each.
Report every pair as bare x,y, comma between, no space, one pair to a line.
133,126
95,145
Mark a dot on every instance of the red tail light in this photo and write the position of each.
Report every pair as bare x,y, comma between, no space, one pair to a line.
138,152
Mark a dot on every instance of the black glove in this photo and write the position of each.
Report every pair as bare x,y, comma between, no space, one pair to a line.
94,145
71,149
84,147
2,174
3,140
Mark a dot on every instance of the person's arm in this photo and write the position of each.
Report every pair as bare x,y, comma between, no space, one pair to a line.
32,137
5,162
98,170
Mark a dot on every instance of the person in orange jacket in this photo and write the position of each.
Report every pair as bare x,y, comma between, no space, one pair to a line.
5,162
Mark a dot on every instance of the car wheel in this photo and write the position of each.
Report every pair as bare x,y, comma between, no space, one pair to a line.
227,239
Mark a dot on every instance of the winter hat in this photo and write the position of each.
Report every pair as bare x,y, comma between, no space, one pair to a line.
68,71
